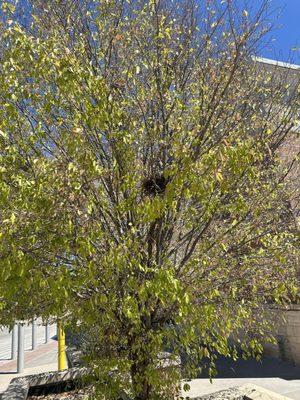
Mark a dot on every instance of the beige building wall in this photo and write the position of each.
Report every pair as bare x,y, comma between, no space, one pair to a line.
288,336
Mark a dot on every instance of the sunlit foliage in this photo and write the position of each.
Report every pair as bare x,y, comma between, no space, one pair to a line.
141,191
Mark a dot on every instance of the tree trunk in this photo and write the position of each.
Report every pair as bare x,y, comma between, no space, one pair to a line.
140,382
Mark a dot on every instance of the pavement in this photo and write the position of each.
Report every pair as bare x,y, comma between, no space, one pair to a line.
42,359
201,387
5,338
278,376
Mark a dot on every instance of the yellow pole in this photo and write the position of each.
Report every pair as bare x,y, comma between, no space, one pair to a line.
62,359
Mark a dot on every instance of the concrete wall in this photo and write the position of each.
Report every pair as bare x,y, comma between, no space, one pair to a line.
288,336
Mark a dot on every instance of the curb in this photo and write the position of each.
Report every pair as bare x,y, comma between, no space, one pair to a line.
19,387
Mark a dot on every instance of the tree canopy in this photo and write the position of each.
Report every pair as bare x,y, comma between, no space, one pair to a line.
141,191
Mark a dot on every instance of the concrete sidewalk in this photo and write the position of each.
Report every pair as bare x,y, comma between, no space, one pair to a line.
43,359
201,387
6,338
278,376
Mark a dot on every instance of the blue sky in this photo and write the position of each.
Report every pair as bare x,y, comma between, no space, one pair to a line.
286,32
285,35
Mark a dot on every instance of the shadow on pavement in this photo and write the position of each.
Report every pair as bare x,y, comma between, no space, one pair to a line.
267,367
8,373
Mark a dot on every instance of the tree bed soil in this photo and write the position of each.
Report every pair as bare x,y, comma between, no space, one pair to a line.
77,394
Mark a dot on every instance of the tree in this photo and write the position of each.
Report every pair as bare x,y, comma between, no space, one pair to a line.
141,189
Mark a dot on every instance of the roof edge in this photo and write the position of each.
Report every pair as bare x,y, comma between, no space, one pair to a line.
276,63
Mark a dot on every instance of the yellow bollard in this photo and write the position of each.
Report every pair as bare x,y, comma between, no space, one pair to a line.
62,359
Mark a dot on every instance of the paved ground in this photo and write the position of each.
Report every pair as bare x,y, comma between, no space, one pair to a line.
272,374
200,387
43,359
5,339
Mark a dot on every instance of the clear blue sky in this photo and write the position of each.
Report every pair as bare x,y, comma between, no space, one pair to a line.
286,32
